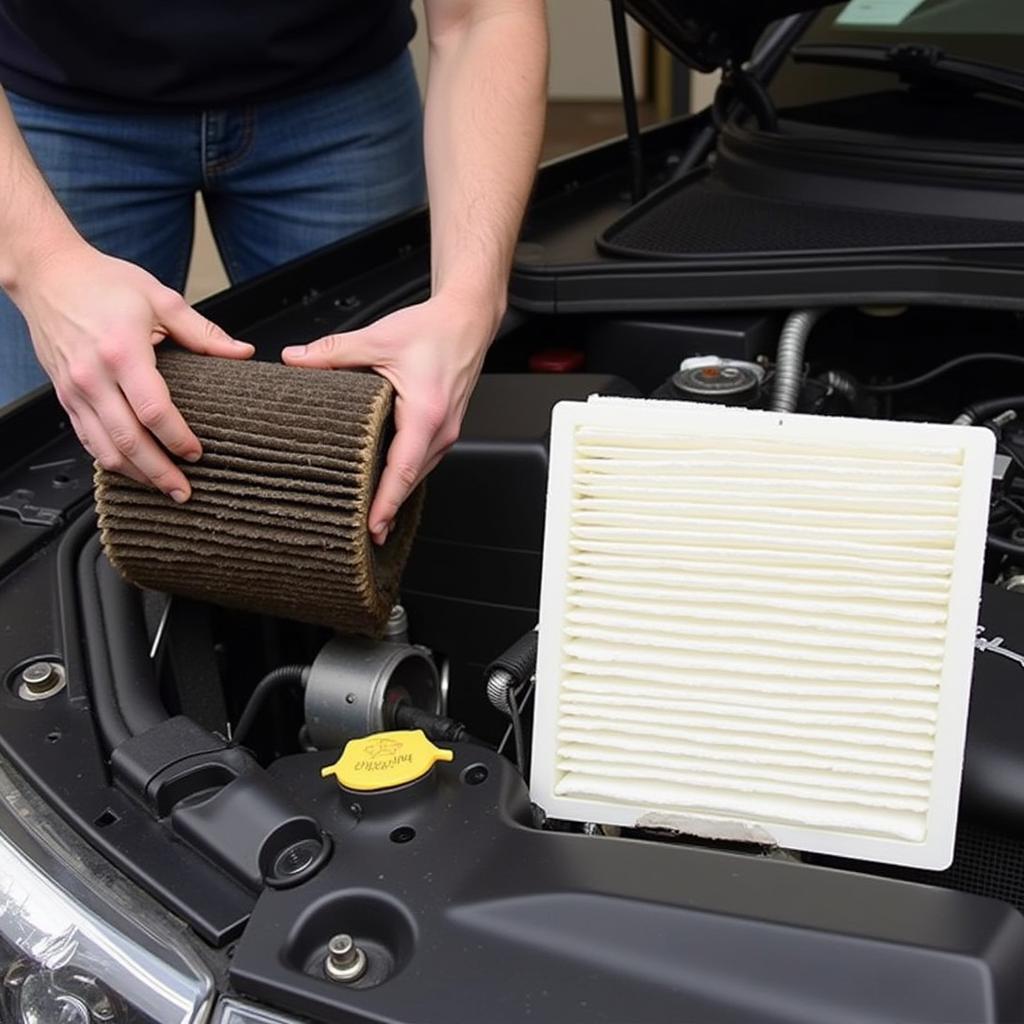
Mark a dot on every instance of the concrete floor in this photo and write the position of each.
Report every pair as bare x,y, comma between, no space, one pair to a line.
570,126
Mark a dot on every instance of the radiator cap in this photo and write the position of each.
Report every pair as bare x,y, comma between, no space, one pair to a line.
385,760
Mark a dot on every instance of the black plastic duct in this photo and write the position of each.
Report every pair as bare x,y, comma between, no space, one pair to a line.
125,692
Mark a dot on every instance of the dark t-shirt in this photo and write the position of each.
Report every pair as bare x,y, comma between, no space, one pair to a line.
192,54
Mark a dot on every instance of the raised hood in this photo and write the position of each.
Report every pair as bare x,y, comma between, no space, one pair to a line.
707,34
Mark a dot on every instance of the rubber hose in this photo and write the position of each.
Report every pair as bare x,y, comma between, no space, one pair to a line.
276,679
134,680
435,727
519,661
109,720
1005,547
981,411
789,361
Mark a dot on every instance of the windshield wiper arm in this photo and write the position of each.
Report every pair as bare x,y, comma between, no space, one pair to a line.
917,64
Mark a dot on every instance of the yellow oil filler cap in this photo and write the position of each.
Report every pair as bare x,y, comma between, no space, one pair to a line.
385,760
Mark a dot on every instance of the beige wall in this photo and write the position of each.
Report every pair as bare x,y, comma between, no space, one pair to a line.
702,89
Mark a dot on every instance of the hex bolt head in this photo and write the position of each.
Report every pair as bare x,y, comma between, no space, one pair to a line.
345,961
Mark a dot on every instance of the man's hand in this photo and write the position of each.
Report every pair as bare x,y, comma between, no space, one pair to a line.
432,354
94,322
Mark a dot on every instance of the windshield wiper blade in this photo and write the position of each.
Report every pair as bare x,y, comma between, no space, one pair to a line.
917,64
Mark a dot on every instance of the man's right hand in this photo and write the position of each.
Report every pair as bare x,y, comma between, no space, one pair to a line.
94,322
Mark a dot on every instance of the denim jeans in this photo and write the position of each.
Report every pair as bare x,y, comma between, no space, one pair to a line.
278,180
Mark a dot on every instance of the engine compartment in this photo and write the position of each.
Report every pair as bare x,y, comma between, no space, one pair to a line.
456,874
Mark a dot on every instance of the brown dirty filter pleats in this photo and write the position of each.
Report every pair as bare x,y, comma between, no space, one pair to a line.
277,522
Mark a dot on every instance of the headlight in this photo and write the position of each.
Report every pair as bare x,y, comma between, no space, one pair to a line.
235,1011
69,953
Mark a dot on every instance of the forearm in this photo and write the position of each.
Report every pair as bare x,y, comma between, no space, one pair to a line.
484,120
32,223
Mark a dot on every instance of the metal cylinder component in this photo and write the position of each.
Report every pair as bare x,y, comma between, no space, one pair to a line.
345,961
40,680
354,686
789,361
724,381
843,383
499,682
397,628
39,676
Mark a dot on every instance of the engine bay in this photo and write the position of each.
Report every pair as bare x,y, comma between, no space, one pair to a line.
215,802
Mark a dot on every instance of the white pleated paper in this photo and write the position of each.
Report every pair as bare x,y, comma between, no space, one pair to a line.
760,619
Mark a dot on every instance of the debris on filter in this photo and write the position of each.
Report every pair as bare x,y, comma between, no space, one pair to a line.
707,828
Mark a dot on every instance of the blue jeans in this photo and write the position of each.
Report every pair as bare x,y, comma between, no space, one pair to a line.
278,180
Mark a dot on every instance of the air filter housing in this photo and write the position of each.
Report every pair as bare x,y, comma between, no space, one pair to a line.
760,626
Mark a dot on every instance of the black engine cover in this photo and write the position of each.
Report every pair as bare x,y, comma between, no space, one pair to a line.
467,912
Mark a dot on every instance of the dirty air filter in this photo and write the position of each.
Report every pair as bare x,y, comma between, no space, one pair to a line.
760,626
277,518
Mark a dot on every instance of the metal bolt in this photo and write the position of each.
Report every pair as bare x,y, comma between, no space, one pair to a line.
397,629
345,962
40,680
103,1010
297,858
38,676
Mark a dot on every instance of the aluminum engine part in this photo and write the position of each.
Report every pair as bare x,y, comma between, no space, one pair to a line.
789,365
354,685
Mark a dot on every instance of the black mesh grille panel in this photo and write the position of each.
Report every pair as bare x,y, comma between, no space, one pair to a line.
986,863
989,864
704,219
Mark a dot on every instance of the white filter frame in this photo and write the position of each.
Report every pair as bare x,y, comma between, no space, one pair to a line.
977,445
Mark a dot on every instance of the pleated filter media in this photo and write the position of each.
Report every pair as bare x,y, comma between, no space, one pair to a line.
760,626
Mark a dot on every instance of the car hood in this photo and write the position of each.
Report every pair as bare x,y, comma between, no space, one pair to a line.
706,34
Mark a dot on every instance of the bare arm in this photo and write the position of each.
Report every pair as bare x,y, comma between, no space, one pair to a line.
94,321
484,121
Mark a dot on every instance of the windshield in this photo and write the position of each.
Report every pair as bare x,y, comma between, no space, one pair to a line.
933,17
989,31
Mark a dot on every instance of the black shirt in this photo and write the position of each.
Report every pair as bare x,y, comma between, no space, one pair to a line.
192,54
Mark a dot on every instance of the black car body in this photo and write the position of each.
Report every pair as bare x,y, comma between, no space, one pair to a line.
171,876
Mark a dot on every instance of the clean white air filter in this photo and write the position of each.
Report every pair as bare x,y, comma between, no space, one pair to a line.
760,626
